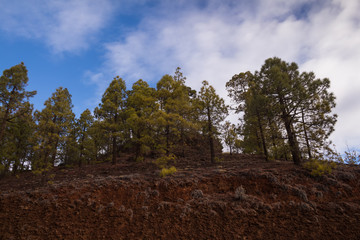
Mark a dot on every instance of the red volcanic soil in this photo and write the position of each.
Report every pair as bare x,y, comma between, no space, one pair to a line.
242,197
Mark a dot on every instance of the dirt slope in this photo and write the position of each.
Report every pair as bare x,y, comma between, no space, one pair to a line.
240,198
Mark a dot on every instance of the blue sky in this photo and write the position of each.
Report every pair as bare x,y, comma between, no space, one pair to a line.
83,44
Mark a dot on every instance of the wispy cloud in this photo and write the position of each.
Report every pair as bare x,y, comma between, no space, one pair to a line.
214,41
210,40
63,25
334,37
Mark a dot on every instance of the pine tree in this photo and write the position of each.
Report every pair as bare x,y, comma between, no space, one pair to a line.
245,89
86,143
111,113
281,101
184,105
212,111
71,151
17,147
13,95
315,121
230,135
283,87
166,119
141,111
100,137
54,125
176,111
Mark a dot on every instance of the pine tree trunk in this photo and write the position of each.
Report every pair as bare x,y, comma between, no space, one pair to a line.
167,132
138,146
211,138
273,138
212,150
262,136
80,157
258,140
306,135
55,152
7,113
182,140
114,150
295,152
3,126
81,150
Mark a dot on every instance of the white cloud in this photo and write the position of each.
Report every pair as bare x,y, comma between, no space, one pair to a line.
76,22
334,38
207,46
63,25
219,40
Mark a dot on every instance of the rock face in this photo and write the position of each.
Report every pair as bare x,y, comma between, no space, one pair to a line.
241,198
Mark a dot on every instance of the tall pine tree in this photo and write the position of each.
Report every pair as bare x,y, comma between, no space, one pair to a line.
87,149
54,125
285,102
13,95
111,113
213,111
141,111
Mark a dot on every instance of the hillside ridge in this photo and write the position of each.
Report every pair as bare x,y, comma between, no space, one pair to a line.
242,197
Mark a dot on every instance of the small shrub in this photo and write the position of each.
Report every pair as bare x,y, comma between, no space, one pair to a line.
352,157
42,170
167,171
39,171
319,167
219,160
139,159
162,162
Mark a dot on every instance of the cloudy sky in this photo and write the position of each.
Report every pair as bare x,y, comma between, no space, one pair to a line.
83,44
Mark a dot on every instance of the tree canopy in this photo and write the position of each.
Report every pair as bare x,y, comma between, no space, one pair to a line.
284,114
284,110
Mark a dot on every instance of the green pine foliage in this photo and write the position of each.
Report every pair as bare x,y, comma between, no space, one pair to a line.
17,146
175,120
86,143
286,115
213,111
111,114
167,171
16,124
13,95
319,167
54,131
142,108
230,135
